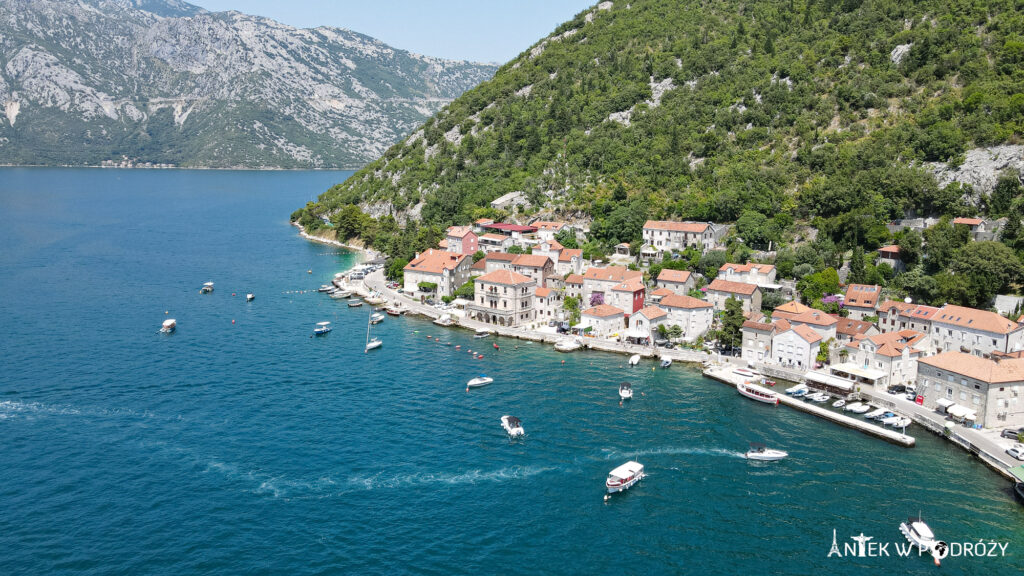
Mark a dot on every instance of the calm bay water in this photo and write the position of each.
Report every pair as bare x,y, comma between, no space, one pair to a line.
241,445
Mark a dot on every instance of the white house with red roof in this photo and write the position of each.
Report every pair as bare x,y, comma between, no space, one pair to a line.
574,287
719,291
890,255
751,273
643,325
862,300
492,242
757,339
678,281
796,347
978,332
503,297
986,391
602,321
548,230
448,270
628,295
570,261
824,324
691,314
462,240
602,280
548,304
549,248
667,236
895,354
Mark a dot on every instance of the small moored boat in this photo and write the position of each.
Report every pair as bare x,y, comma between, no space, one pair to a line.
798,388
634,359
852,407
568,345
755,392
339,294
374,343
250,297
322,328
393,311
325,288
376,318
763,453
666,361
482,333
513,426
875,413
481,380
839,403
625,391
624,477
355,303
169,325
207,288
859,409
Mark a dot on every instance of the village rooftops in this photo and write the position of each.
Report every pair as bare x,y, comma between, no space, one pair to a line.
662,292
541,225
505,277
459,231
719,285
567,254
631,285
687,302
652,312
790,309
850,327
1000,371
813,317
542,292
862,295
436,261
574,279
807,333
976,319
745,268
612,274
680,276
888,305
688,227
603,311
530,260
892,344
510,227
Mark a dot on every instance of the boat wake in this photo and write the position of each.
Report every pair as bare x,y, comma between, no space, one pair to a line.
14,409
380,481
674,451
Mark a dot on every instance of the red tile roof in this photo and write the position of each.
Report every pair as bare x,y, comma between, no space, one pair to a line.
976,319
652,312
762,326
967,221
691,227
603,311
862,295
631,285
849,326
991,371
662,292
543,292
436,261
891,251
814,318
612,274
806,332
531,260
681,276
510,227
688,302
574,279
744,268
549,226
506,277
567,254
459,231
719,285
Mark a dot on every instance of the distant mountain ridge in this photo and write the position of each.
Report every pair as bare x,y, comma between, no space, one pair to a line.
164,81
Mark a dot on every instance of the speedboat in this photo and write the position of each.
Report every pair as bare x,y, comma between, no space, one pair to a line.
325,288
666,362
875,413
762,452
891,420
512,425
479,381
839,403
884,416
634,359
322,328
482,333
339,294
852,407
861,409
745,372
624,477
373,344
207,288
920,535
799,387
376,318
625,391
568,345
755,392
355,303
250,297
169,325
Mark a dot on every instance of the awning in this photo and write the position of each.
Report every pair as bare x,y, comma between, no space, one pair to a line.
829,380
944,403
637,334
957,411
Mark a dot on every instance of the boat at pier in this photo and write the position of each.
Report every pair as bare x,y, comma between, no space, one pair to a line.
624,477
839,403
513,426
792,391
339,293
625,391
482,333
376,318
875,413
355,303
755,392
325,288
634,359
763,453
395,311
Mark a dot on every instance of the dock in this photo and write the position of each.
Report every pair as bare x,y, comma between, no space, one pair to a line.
725,375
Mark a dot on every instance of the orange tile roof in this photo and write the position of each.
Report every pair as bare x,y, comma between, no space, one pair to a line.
552,226
574,279
543,292
502,256
568,254
890,304
667,275
731,287
691,227
495,237
892,344
791,307
763,326
436,261
553,245
806,332
662,292
890,251
531,260
813,317
973,318
484,221
744,268
652,312
781,324
612,274
459,231
849,326
603,311
480,264
506,277
689,302
443,243
991,371
862,295
631,285
967,221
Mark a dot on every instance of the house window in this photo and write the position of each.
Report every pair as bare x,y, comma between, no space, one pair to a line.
976,399
949,392
963,395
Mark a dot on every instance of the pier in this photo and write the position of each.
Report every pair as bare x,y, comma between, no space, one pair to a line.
725,375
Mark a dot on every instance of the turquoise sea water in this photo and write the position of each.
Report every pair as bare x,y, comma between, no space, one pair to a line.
240,445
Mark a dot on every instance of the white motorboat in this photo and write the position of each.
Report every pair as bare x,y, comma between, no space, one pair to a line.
745,373
755,392
482,333
903,422
666,361
373,344
634,359
763,453
798,388
891,420
920,535
375,299
394,311
376,342
445,320
355,303
322,328
376,318
513,426
339,294
625,391
325,288
169,325
481,380
875,413
839,403
207,288
250,297
818,397
568,345
852,407
624,477
861,409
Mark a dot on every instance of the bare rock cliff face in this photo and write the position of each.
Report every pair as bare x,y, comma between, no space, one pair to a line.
164,81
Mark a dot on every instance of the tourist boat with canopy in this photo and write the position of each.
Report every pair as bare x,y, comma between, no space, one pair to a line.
755,392
513,426
169,325
322,328
625,391
624,477
920,535
207,288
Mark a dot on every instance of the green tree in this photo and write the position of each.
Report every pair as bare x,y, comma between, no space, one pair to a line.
1006,190
515,249
396,269
467,291
814,287
987,268
944,240
478,256
858,271
572,306
567,238
910,248
732,323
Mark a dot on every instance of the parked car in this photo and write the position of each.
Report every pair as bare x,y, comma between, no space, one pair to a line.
1017,451
1012,433
660,342
898,389
669,346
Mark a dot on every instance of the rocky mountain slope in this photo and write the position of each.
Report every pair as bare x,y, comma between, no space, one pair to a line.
834,111
164,81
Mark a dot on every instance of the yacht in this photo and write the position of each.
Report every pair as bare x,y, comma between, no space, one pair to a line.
322,328
634,359
207,288
373,344
625,391
755,392
920,535
624,477
479,381
169,325
513,426
763,453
